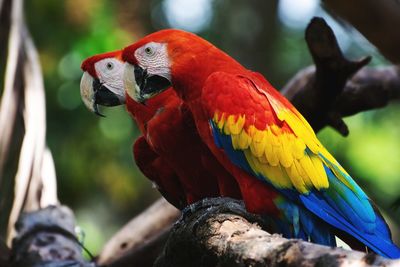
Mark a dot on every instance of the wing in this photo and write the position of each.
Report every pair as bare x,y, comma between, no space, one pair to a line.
262,133
158,171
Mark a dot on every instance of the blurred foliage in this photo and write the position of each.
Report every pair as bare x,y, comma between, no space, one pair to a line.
96,174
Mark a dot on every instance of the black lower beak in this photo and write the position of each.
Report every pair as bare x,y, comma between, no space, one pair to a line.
155,84
149,84
104,97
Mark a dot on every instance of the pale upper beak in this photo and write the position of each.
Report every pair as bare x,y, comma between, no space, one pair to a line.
131,86
141,85
94,93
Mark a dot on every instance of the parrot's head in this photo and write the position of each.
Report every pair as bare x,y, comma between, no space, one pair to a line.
160,60
102,83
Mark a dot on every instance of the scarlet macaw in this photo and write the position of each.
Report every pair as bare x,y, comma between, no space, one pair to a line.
255,133
102,83
165,132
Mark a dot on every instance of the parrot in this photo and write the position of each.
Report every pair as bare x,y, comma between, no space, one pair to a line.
102,80
256,134
170,152
101,84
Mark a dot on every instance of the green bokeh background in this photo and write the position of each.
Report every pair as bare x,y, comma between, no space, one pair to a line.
93,155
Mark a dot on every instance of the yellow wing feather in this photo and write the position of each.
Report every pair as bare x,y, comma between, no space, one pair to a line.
303,131
277,155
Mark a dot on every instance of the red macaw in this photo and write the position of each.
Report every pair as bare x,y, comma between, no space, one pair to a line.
168,129
170,136
256,134
102,82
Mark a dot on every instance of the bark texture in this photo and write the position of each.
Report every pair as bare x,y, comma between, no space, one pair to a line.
216,233
47,238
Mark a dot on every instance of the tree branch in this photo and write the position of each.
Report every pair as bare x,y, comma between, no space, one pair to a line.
47,238
214,235
141,239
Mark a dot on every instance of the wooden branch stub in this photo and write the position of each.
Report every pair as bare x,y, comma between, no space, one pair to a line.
327,55
207,237
337,87
47,238
332,72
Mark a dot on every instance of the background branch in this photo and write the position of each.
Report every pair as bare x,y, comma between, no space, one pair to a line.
141,240
376,20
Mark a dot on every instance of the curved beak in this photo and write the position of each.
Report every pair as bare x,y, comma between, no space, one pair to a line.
131,87
141,85
94,93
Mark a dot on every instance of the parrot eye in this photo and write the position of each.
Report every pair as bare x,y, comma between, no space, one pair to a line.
149,51
110,65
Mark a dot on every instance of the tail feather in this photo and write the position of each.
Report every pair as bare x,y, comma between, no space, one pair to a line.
305,225
379,241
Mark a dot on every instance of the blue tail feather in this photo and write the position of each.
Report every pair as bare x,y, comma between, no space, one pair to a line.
304,225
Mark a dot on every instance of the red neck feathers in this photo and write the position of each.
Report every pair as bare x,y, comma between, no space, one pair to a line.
143,113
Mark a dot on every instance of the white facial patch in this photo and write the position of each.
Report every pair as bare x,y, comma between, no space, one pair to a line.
110,72
153,57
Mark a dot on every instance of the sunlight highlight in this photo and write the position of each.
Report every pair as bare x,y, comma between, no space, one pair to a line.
296,14
189,15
